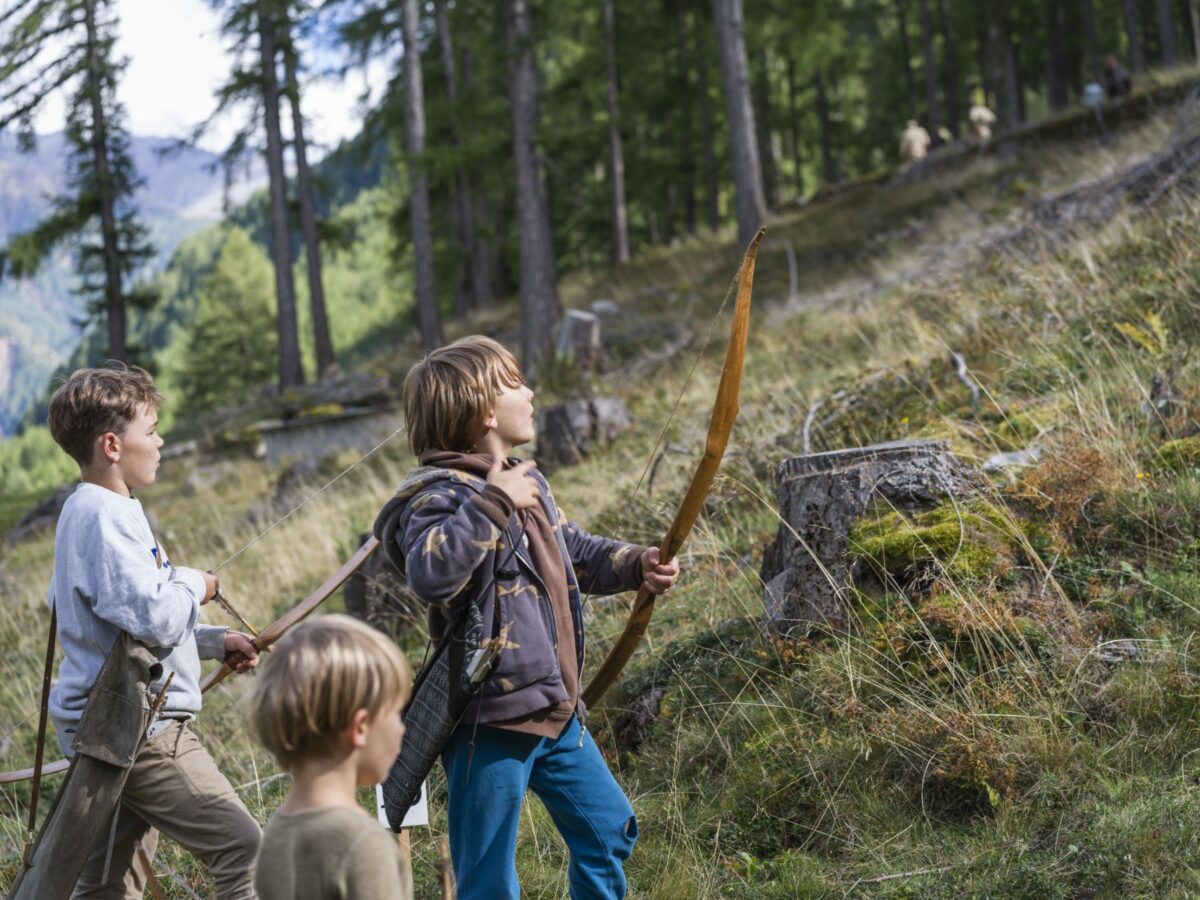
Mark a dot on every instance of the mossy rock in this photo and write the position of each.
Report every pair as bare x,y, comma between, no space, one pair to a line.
1179,455
971,541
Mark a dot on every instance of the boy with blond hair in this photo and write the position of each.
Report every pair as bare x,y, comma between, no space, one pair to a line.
477,532
327,706
111,576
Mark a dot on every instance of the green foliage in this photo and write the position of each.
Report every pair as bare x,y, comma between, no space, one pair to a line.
227,349
32,463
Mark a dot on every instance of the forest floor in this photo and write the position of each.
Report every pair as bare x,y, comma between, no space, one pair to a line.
1026,726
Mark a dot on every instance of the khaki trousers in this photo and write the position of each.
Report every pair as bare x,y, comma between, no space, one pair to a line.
175,787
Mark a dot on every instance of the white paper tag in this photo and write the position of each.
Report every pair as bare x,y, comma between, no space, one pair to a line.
418,813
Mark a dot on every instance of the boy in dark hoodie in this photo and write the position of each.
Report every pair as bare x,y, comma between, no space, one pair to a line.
471,526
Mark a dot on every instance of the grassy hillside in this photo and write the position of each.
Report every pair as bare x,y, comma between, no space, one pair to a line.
1024,725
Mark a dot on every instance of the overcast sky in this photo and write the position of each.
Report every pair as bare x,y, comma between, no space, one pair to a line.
176,61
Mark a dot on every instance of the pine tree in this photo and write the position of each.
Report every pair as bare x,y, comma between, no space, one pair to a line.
65,47
231,341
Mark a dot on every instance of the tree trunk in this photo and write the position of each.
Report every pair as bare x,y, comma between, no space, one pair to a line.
540,310
949,68
291,371
762,118
418,183
931,79
1056,88
910,83
987,54
794,129
461,211
1093,44
687,153
483,261
749,200
308,222
711,189
1166,28
1129,7
829,167
1013,105
620,221
1194,14
114,299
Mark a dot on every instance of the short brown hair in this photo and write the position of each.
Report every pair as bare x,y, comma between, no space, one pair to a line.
449,392
321,673
92,402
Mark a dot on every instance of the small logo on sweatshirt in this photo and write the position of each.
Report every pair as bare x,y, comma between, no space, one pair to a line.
160,558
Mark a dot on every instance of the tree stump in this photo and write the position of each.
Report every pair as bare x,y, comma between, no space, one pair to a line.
579,340
377,595
567,432
806,571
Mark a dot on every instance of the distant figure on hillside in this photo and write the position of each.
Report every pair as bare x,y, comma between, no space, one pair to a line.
980,117
914,142
1116,80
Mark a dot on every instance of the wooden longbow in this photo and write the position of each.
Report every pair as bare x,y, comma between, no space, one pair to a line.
720,426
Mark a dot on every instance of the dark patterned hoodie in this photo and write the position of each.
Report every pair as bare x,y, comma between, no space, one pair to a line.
452,536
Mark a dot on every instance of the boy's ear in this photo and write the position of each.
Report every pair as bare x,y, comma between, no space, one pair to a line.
489,421
356,731
108,447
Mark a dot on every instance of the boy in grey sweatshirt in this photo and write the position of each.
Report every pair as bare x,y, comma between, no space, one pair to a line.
112,575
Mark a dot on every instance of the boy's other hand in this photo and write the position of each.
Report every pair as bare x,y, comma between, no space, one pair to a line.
211,586
657,578
240,653
516,482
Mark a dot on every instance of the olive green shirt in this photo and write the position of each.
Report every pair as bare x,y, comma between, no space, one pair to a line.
333,853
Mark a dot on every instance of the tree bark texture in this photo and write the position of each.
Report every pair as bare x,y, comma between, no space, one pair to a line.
711,189
483,259
322,342
616,155
910,83
749,199
1056,88
114,298
291,371
1095,73
767,162
1013,104
1129,8
1166,30
934,115
687,152
794,129
1194,15
540,309
428,319
461,211
949,68
828,165
988,53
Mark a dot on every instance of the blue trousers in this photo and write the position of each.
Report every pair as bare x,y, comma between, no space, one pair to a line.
487,787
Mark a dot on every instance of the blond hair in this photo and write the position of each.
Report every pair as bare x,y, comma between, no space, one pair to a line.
321,673
448,393
92,402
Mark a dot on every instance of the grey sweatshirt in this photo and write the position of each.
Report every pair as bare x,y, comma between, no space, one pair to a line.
108,579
